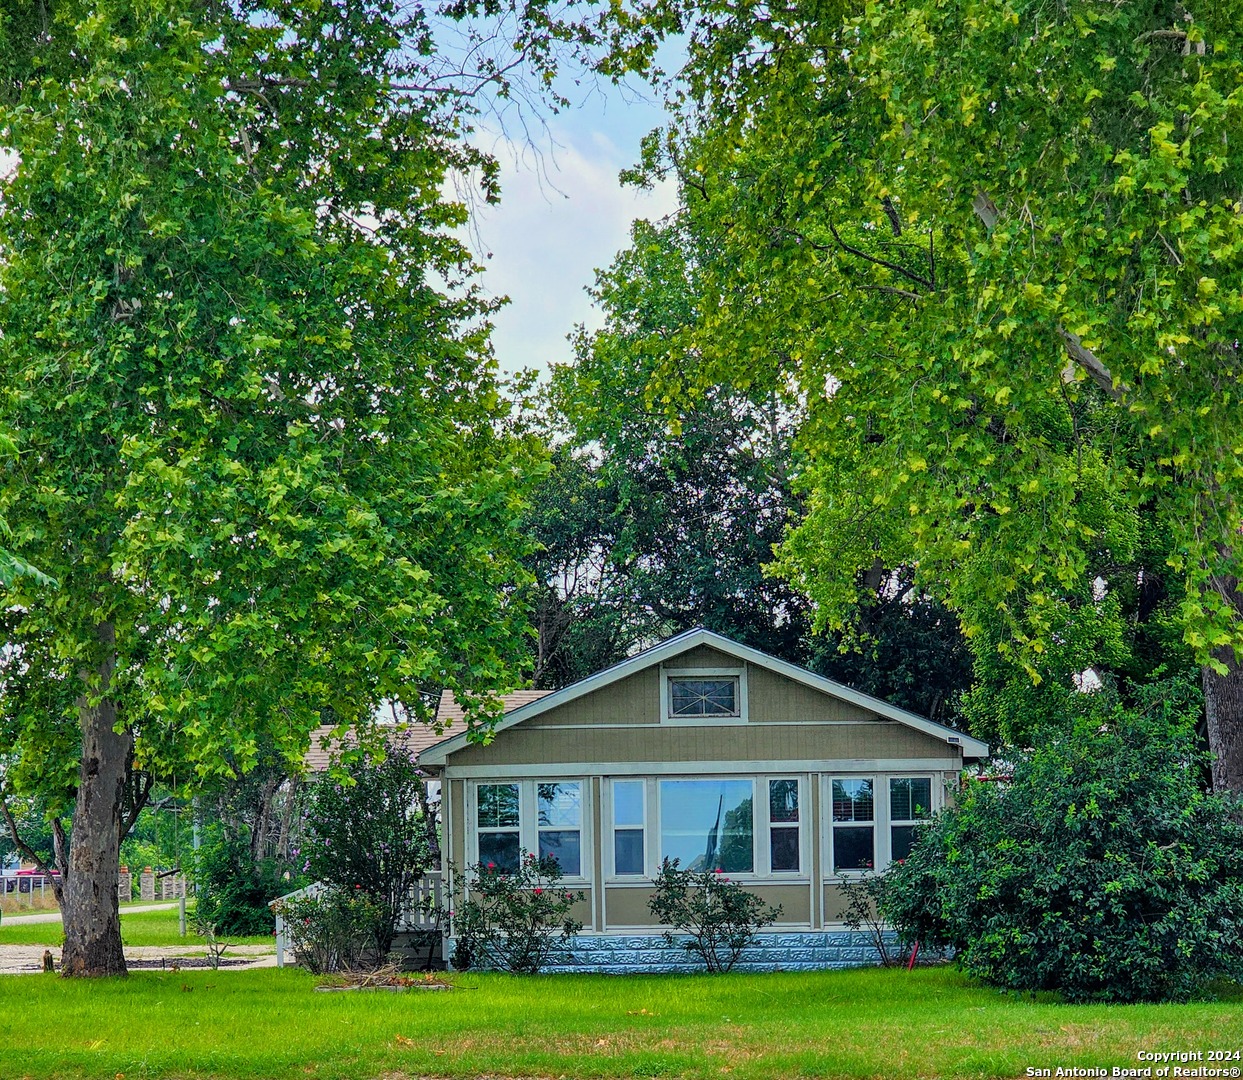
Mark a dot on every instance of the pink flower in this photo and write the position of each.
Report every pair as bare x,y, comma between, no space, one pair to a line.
718,870
539,892
491,866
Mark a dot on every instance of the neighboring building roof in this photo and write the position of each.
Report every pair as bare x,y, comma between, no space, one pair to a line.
449,711
690,639
414,738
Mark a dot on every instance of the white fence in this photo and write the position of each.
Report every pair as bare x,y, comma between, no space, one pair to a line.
27,888
426,898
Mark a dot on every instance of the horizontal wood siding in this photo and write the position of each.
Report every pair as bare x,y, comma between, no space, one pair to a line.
534,744
633,700
774,699
705,657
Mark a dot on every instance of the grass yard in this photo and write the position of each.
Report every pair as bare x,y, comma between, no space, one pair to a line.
137,928
869,1023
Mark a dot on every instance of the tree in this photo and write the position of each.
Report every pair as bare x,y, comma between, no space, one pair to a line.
258,435
999,253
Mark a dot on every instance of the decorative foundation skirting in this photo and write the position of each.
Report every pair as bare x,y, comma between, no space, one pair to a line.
630,954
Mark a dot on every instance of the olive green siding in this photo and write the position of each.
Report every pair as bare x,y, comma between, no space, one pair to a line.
633,700
532,744
778,700
627,905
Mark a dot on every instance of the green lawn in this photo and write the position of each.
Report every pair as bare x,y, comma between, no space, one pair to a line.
137,928
870,1023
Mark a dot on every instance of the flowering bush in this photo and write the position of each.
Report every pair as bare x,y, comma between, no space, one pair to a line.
720,916
514,920
334,930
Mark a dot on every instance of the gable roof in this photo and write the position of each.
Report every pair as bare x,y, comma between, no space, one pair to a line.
412,737
690,639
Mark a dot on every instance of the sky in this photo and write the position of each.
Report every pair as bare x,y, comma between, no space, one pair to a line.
563,215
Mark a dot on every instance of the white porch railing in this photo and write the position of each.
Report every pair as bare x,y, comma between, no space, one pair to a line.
429,892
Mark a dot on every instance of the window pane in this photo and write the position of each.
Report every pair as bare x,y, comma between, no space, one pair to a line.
852,800
852,849
783,800
785,849
910,798
562,845
628,802
703,697
560,805
707,824
628,851
500,849
498,806
904,837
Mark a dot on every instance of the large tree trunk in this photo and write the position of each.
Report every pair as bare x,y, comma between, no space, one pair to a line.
1223,710
91,915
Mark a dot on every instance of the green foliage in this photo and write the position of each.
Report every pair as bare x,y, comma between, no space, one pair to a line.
719,915
993,257
661,513
369,831
333,930
1099,868
515,921
234,890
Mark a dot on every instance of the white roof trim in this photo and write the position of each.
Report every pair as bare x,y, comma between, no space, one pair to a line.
690,639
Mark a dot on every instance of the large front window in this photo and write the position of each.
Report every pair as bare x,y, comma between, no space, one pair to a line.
708,824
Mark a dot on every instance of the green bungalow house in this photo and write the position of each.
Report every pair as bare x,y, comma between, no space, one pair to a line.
715,754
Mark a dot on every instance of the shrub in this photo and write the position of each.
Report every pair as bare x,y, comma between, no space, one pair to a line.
333,930
370,833
720,916
515,920
234,891
1099,868
865,897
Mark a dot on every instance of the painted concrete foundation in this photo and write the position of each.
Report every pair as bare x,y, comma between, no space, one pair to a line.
630,954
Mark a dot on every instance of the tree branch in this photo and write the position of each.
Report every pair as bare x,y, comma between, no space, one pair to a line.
881,262
1088,360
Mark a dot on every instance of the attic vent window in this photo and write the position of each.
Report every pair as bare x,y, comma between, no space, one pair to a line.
703,697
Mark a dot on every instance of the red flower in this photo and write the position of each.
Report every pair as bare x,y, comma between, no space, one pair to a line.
539,892
491,866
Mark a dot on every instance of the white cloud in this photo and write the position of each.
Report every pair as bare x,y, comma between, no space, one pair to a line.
560,220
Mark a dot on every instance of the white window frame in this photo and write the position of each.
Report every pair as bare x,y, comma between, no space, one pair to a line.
656,847
528,818
489,830
802,873
831,873
670,675
934,794
610,840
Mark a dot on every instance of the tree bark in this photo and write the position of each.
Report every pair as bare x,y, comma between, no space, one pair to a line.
1223,712
91,913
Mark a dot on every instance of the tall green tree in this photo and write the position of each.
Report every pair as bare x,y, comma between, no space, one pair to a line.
659,514
998,249
247,375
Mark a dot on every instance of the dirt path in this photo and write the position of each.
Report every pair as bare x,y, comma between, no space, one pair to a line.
28,959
